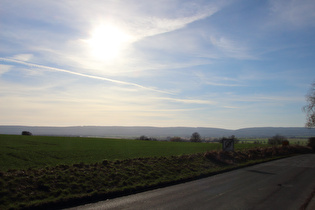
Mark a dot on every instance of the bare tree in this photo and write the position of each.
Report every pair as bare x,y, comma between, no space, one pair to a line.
309,109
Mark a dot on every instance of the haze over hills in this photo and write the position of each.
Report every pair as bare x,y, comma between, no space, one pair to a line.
157,132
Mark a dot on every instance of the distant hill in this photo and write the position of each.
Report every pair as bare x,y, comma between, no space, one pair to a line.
157,132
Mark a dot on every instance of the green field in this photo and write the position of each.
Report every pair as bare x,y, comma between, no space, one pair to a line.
293,141
23,152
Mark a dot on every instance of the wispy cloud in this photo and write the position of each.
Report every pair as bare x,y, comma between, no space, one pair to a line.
141,18
265,98
211,79
223,84
82,75
22,57
231,107
4,68
155,25
188,101
296,13
231,48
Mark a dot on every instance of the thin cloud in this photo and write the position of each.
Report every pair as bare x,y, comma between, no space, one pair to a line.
82,75
279,98
82,16
296,13
4,68
23,57
148,18
266,98
172,110
189,101
231,48
231,107
155,25
218,81
223,84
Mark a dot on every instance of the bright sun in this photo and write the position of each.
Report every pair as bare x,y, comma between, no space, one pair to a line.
107,41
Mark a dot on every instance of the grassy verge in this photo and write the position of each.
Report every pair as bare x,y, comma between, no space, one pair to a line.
66,185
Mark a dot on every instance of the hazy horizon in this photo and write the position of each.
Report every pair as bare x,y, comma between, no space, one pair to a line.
158,132
218,64
154,126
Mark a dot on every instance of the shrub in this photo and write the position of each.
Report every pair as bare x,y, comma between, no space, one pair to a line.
285,143
176,139
26,133
143,137
311,143
276,140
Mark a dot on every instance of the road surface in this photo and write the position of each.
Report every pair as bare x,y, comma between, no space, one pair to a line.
280,184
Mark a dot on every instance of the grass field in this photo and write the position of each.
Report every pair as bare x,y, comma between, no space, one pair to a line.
23,152
293,141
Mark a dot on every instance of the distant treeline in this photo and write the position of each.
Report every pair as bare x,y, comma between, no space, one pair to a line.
158,132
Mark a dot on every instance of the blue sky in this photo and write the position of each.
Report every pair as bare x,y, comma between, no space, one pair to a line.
225,64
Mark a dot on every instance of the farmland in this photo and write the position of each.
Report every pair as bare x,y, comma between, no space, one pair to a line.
293,141
23,152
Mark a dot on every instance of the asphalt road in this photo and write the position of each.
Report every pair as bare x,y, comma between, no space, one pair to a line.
280,184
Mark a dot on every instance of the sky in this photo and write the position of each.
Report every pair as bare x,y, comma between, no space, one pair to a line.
224,63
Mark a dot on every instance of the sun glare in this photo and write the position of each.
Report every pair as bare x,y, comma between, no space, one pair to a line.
107,42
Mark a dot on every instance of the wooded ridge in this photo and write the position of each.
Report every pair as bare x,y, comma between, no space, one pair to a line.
136,131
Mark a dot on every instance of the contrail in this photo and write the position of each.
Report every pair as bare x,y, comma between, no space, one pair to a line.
82,75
